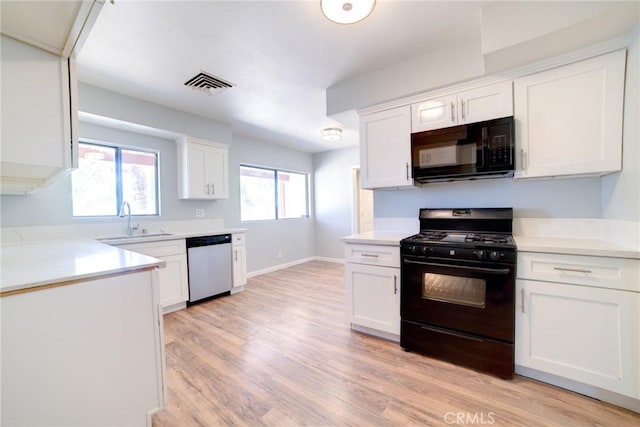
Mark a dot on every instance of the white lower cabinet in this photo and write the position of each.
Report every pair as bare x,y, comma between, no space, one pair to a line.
173,279
583,326
373,293
581,333
239,260
84,352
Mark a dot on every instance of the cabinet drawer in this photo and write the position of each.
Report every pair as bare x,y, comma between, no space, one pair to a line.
237,239
612,273
158,249
373,254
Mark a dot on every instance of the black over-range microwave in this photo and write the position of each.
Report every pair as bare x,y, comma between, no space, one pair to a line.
473,151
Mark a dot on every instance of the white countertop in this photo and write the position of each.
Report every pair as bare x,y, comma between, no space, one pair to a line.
573,246
563,245
34,264
141,238
377,238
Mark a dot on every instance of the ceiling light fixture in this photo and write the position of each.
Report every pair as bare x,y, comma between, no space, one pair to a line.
331,134
347,11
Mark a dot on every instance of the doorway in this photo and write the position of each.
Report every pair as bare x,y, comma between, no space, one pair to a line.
362,206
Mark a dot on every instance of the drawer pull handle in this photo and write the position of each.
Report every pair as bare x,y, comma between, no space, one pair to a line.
573,270
370,255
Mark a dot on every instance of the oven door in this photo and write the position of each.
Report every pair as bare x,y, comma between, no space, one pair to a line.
472,298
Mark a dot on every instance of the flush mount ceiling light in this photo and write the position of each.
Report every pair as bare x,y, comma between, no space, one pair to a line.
347,11
331,134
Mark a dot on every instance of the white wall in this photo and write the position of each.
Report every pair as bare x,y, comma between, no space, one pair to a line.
517,33
333,199
559,198
293,238
507,34
52,205
621,191
455,61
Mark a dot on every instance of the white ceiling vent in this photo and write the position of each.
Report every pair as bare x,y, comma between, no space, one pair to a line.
207,83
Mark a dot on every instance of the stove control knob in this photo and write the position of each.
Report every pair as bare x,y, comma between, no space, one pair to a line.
411,249
495,256
480,254
425,250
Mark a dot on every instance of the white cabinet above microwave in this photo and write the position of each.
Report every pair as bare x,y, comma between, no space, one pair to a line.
569,119
470,106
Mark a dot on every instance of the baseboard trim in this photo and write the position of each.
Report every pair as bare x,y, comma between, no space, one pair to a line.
326,259
578,387
279,267
291,264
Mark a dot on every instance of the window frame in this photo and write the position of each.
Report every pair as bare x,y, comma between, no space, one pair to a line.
277,192
118,175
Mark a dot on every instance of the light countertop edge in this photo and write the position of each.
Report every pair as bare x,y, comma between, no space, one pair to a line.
559,245
572,246
123,240
377,238
36,264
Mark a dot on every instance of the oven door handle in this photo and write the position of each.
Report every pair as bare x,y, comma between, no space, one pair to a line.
499,271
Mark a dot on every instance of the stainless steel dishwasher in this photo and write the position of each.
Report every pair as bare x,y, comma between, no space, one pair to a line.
209,266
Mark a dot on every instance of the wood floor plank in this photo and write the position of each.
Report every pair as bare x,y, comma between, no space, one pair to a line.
281,354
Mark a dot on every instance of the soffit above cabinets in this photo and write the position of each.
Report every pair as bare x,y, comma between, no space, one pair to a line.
59,27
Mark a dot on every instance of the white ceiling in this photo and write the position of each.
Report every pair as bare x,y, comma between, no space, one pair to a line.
281,55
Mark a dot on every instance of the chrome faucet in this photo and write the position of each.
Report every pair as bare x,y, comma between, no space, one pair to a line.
130,228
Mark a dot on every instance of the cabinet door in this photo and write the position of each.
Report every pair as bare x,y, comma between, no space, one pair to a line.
203,170
584,334
239,266
569,119
174,288
385,149
198,174
434,113
373,297
216,173
485,103
38,112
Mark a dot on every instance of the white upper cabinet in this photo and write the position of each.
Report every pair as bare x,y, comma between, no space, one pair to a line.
385,149
470,106
569,119
203,169
39,117
39,89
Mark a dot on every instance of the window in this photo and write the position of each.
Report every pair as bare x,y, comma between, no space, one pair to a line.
109,175
272,194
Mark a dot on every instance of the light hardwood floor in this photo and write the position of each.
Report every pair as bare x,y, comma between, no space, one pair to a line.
280,354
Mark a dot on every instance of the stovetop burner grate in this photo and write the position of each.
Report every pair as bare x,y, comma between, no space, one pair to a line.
443,236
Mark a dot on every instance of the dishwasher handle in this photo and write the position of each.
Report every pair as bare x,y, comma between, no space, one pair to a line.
220,239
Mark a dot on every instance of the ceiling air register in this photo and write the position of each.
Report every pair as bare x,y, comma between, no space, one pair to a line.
207,83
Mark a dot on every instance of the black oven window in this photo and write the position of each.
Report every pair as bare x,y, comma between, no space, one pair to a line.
454,289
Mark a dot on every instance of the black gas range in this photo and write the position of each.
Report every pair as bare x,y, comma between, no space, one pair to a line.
458,288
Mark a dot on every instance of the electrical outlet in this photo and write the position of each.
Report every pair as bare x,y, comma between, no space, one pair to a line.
199,213
279,254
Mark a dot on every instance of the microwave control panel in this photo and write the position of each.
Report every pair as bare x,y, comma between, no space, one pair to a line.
500,146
